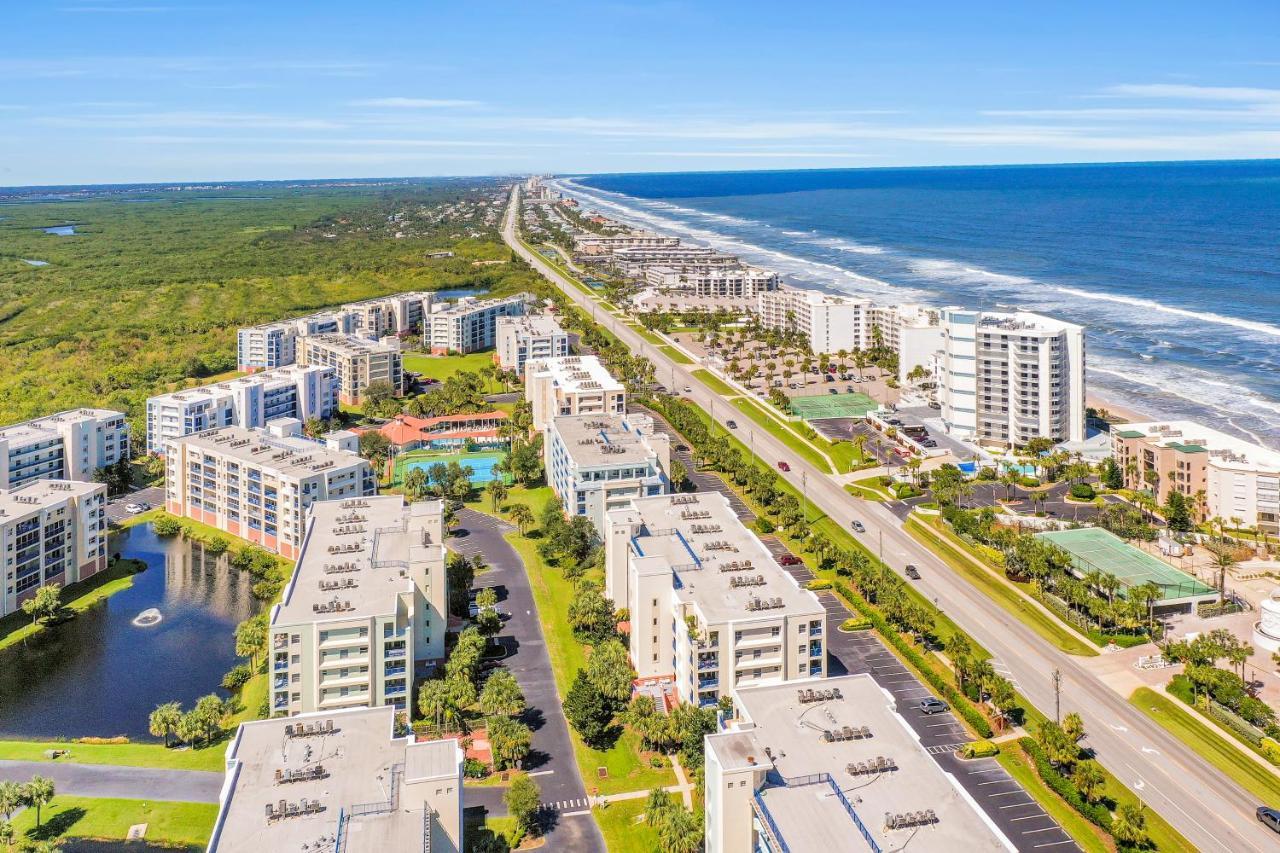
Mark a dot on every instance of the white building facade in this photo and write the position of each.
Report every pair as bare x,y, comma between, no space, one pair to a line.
469,324
574,385
536,336
831,323
51,531
70,445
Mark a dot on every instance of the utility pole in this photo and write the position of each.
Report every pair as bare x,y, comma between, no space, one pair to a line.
804,491
881,532
1057,696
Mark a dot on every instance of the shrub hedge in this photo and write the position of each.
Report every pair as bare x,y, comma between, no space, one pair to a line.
980,749
1095,813
818,584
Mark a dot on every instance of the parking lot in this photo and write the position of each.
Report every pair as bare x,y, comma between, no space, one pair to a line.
151,496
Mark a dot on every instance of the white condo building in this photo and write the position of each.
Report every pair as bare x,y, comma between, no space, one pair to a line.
339,781
367,601
70,445
273,345
912,331
598,463
603,244
826,765
469,324
1005,379
536,336
713,281
356,362
711,611
634,260
831,323
388,315
573,385
51,531
246,401
258,484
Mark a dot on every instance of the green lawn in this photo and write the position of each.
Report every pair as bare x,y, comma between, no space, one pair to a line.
994,588
628,769
648,335
1089,837
866,493
178,824
441,367
794,442
127,754
1184,724
79,597
715,383
676,355
624,829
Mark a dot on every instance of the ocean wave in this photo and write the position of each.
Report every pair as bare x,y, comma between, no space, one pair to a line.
1152,305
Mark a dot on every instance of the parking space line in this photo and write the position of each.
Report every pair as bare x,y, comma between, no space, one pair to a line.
1043,829
1016,805
1007,793
1028,817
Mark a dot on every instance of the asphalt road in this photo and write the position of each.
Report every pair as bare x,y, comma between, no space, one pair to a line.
109,780
570,825
1204,804
151,495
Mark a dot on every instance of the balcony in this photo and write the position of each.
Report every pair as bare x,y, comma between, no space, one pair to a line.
282,681
815,632
708,683
338,701
394,654
281,664
393,671
708,665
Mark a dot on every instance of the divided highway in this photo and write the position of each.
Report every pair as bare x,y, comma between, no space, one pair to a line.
1206,806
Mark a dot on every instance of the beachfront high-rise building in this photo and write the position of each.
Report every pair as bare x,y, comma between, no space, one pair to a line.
826,765
831,323
273,345
597,463
259,483
1220,475
911,331
737,282
367,602
632,261
711,610
522,338
469,324
603,244
573,385
70,445
51,531
246,401
339,781
1004,379
356,363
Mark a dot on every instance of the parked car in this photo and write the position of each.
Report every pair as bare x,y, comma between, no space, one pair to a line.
828,378
858,526
933,706
783,466
913,572
788,560
833,390
1269,817
849,389
134,509
929,442
731,424
688,390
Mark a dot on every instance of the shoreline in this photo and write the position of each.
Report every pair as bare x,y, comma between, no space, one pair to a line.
1126,413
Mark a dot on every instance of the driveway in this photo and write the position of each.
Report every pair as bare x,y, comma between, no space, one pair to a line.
550,762
110,780
151,495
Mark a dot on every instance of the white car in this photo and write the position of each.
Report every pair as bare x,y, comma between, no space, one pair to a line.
134,509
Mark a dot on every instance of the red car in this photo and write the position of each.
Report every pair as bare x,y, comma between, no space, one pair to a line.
788,560
782,466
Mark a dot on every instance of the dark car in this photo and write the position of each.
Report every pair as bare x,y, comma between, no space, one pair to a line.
857,526
782,466
913,572
1269,817
788,560
731,424
933,706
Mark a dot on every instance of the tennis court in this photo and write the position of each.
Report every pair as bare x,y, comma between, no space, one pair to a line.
481,464
1092,548
848,405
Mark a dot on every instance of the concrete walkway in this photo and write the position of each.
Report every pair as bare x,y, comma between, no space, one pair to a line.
113,780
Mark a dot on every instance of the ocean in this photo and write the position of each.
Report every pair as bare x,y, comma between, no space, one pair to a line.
1173,268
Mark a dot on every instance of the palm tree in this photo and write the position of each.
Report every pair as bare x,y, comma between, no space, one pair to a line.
522,516
164,720
37,793
10,798
1009,479
860,445
497,493
1089,780
1223,559
434,701
501,694
7,834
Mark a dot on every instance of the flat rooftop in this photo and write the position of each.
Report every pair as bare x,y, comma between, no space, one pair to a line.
467,304
39,493
577,373
1224,449
783,731
596,440
699,537
369,573
276,376
47,426
540,325
351,345
351,759
290,456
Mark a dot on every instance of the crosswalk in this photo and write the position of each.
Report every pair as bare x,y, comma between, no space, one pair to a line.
943,748
566,805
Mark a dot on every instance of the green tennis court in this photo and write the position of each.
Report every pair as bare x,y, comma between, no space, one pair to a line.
848,405
1092,548
481,463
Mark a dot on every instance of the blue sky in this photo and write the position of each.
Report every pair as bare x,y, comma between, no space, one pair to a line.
95,91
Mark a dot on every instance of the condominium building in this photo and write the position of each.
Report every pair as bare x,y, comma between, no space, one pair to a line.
824,765
573,385
708,280
470,324
258,484
711,611
1220,475
831,323
272,345
339,781
246,401
1005,379
522,338
632,261
367,601
51,531
356,362
70,445
603,244
388,315
912,331
598,463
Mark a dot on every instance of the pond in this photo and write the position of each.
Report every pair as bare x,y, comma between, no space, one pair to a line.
459,292
34,263
102,674
59,230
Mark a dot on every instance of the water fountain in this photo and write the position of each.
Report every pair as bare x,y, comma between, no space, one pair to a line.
147,618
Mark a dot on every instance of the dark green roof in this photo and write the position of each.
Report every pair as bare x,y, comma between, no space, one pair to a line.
1130,433
1188,448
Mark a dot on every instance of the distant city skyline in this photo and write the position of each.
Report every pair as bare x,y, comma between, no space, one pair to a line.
114,91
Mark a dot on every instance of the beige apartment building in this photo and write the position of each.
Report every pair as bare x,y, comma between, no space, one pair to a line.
573,385
367,601
69,445
1221,476
711,610
258,484
356,361
338,781
51,531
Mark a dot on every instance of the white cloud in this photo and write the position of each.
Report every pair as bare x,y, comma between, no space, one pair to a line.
189,119
1236,94
414,103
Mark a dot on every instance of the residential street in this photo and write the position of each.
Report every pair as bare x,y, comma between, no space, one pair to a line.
1204,804
110,780
551,762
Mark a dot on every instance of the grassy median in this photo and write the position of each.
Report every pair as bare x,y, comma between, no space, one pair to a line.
171,824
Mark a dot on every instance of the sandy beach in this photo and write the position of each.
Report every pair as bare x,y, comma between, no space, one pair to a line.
1114,409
